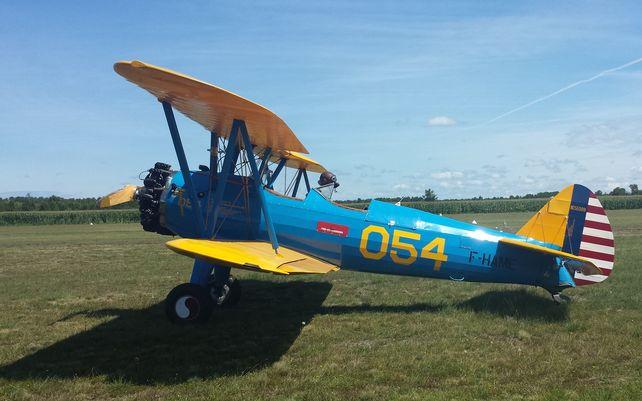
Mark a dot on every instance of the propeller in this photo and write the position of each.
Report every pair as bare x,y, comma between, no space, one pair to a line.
123,195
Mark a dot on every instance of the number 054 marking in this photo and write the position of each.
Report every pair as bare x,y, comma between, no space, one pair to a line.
402,241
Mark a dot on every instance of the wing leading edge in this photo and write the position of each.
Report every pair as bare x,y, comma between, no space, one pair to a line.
251,255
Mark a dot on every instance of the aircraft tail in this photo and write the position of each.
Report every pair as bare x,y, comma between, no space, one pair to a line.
575,221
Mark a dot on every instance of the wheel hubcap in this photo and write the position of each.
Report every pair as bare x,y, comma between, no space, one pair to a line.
187,307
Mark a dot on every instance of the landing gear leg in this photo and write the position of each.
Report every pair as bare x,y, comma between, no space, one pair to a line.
224,289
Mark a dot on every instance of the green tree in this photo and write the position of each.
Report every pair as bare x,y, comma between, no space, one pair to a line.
618,191
634,189
430,195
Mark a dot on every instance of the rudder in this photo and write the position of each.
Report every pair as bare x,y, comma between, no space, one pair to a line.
575,222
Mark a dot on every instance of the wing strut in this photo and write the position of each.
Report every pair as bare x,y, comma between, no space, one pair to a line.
297,179
276,172
231,154
182,161
240,125
307,182
235,144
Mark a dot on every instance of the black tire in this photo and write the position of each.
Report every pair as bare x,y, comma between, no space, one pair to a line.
188,304
229,295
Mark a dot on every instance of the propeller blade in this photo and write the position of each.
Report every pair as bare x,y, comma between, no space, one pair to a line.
125,194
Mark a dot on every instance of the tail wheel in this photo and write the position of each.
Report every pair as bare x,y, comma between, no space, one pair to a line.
229,294
188,304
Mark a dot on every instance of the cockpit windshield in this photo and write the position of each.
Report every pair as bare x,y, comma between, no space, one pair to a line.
327,184
299,183
326,190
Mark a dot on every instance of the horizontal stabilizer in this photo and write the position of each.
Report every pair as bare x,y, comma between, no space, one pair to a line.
251,255
581,264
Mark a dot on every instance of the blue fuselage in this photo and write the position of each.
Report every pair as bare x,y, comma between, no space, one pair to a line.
385,238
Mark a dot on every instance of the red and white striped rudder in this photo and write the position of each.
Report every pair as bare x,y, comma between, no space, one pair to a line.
596,242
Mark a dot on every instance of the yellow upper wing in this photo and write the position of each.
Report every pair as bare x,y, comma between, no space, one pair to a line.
251,255
212,107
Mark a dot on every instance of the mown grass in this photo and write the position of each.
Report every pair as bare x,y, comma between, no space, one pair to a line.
82,319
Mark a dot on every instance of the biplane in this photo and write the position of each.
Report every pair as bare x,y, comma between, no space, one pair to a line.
229,215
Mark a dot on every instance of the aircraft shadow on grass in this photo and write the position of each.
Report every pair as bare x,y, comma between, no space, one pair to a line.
140,346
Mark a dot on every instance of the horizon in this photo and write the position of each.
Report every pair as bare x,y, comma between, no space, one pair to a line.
544,195
468,99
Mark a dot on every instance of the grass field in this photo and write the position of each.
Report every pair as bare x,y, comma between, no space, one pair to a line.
82,319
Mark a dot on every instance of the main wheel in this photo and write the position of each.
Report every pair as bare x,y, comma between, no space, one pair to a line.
229,294
188,304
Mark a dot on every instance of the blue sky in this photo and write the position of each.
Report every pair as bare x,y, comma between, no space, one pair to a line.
394,97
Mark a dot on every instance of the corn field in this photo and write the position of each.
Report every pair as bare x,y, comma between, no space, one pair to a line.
507,205
69,217
443,207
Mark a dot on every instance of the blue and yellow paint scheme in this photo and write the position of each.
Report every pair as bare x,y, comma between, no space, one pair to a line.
384,238
231,220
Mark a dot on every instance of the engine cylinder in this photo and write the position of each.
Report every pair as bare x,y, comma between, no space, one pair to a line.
149,198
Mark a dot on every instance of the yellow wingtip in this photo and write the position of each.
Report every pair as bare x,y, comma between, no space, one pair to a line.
123,195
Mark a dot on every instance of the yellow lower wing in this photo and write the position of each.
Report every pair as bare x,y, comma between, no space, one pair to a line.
251,255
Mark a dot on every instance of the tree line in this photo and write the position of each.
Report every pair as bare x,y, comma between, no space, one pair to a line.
56,203
430,195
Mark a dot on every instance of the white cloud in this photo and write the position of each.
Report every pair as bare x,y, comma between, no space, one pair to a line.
447,175
443,121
